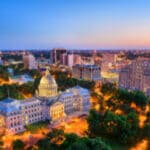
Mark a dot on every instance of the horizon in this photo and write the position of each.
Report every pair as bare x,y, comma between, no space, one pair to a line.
44,24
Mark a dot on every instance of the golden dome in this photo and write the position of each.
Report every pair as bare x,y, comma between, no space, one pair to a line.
47,79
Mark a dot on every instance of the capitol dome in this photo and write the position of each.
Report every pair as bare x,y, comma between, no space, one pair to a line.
47,79
47,86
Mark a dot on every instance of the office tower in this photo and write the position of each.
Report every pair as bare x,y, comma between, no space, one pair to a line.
56,54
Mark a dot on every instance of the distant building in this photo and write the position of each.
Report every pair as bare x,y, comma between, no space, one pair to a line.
108,61
87,72
67,59
136,76
1,61
77,59
29,61
21,79
56,54
42,63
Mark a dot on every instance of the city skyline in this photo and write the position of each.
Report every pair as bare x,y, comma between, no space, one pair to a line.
43,24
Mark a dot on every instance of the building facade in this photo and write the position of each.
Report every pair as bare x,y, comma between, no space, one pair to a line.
29,61
136,76
87,72
16,114
67,59
56,54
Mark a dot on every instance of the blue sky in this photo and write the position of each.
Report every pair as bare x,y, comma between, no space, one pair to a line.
26,24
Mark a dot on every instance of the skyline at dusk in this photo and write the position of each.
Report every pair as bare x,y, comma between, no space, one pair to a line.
43,24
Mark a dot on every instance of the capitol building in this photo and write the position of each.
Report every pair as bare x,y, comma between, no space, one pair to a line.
47,86
48,104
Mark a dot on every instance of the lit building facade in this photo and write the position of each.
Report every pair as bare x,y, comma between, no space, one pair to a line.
87,72
136,76
11,115
16,114
47,86
31,110
57,111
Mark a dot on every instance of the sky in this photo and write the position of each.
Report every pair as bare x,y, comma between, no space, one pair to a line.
74,24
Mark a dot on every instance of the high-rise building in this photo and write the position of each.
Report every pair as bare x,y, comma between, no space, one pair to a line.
56,54
87,72
29,61
136,76
67,59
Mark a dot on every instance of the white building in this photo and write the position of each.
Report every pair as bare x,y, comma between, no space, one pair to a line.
16,114
10,116
75,99
31,110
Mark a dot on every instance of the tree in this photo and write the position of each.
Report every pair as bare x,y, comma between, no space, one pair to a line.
3,73
146,130
108,88
77,146
93,123
1,145
96,144
44,144
124,96
74,142
18,145
55,136
27,88
69,140
140,98
119,127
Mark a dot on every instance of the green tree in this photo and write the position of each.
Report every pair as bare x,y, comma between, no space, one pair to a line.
140,98
146,130
69,140
44,144
18,145
74,142
119,127
55,136
93,123
108,88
